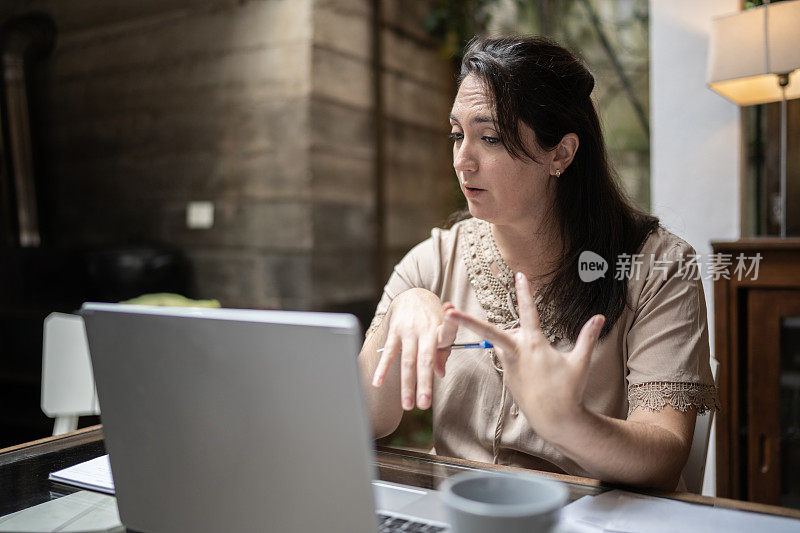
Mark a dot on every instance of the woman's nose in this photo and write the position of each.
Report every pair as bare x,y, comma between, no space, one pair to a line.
464,158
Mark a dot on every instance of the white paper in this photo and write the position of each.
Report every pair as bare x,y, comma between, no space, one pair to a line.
581,516
94,474
625,512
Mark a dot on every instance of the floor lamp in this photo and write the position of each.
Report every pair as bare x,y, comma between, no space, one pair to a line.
754,57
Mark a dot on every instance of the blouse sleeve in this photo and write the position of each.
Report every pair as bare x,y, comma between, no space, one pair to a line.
419,268
667,344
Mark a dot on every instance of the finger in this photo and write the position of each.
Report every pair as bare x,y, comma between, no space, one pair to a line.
528,314
448,329
390,351
447,332
425,359
408,373
587,339
493,334
442,354
441,362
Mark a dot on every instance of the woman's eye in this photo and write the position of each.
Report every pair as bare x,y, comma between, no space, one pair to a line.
490,140
455,136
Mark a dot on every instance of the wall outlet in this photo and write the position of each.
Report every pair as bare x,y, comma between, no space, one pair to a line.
200,215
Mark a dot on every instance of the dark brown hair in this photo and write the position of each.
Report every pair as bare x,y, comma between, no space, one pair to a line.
538,82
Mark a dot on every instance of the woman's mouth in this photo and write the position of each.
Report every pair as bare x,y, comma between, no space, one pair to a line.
473,192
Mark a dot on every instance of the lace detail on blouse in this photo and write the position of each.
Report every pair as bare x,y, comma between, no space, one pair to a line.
653,396
493,281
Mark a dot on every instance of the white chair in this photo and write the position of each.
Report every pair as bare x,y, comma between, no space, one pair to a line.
695,467
68,389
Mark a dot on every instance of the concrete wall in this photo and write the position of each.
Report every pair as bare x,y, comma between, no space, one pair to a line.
263,107
418,89
695,139
147,106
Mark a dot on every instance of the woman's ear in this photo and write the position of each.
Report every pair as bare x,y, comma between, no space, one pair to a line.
565,153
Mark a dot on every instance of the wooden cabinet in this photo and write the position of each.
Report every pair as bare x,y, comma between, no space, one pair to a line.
757,341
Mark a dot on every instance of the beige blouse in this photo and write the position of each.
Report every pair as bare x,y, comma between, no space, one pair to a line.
657,353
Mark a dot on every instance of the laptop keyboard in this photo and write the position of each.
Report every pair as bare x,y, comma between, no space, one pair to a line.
391,524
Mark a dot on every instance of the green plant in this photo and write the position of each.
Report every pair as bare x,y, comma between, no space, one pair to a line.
455,22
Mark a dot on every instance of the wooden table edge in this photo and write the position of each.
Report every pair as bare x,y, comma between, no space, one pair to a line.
48,440
466,463
724,503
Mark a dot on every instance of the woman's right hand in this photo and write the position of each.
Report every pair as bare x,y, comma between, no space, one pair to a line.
418,335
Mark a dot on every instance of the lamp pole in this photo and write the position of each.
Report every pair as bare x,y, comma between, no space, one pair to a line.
783,81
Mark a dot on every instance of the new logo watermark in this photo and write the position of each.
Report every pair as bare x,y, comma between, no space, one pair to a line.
591,266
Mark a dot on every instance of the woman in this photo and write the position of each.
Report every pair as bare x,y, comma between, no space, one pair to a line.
601,378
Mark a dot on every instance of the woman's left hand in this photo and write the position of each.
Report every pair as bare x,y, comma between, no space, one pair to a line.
546,383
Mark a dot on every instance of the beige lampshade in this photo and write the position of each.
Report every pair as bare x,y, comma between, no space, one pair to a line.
743,65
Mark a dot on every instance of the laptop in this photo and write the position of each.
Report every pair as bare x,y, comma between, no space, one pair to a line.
241,420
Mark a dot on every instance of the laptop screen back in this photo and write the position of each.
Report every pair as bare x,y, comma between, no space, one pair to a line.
227,420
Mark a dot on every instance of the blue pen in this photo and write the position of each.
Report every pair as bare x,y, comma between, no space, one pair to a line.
484,344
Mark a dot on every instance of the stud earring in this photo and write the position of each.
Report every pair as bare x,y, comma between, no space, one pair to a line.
558,173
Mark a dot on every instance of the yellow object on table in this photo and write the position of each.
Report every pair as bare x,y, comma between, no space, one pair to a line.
168,299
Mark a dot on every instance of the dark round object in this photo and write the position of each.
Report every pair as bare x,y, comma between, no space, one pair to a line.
124,272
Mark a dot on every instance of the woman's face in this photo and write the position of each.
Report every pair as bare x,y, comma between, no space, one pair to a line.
499,189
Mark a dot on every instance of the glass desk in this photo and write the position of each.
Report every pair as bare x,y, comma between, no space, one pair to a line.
24,470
